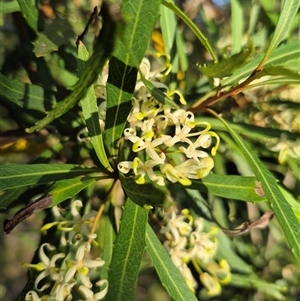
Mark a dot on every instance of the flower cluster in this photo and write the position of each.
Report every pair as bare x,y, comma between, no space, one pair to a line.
61,273
157,132
188,243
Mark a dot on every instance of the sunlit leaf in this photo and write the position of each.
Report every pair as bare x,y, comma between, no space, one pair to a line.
168,273
19,175
140,17
237,26
27,96
227,66
127,255
66,189
30,12
280,206
90,111
231,187
287,14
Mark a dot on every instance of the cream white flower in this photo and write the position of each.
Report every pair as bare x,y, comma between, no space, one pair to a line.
80,266
90,295
46,266
32,296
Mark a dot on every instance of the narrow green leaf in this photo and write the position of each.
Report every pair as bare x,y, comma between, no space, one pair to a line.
280,206
19,175
168,27
30,13
158,94
120,87
128,251
168,273
282,55
103,48
140,17
109,237
287,15
182,54
237,26
144,194
231,187
26,96
228,65
254,16
281,71
66,189
172,6
90,112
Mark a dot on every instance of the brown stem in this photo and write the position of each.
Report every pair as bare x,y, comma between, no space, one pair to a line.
27,211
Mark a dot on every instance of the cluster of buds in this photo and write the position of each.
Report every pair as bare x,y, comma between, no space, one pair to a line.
62,273
188,243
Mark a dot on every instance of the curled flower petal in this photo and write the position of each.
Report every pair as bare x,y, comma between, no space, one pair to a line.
32,296
125,166
221,271
213,287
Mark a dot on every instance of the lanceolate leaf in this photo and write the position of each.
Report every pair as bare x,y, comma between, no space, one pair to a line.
139,17
19,175
158,94
168,273
231,187
109,237
128,251
25,96
237,26
171,5
280,206
66,189
287,15
282,55
90,112
102,50
30,13
228,65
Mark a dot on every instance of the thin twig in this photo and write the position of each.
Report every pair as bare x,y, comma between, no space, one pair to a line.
41,203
